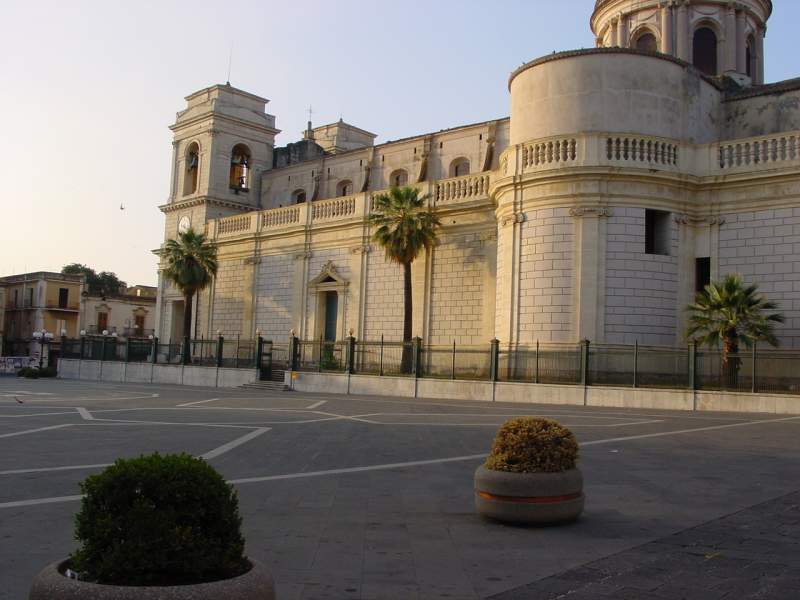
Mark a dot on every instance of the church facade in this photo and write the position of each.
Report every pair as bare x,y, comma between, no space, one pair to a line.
625,177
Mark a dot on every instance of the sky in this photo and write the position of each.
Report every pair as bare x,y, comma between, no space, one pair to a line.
88,89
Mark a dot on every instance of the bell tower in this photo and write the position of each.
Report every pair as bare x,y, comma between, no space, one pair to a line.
222,142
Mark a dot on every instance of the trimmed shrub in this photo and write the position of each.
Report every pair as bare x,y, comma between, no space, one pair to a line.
48,372
533,445
158,520
28,373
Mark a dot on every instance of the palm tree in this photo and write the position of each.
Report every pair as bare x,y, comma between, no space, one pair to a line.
404,227
191,264
732,312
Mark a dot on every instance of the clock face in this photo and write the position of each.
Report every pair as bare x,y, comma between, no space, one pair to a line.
184,224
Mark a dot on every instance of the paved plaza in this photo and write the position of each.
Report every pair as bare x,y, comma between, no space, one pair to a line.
369,497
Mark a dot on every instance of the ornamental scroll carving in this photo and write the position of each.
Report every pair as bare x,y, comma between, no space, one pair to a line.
365,249
590,211
513,218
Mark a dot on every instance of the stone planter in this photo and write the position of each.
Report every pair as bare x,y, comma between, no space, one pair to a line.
51,584
529,498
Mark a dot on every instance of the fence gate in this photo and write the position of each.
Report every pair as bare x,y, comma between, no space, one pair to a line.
265,368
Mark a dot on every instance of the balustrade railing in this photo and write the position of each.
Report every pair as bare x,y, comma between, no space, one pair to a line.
547,152
335,208
278,217
466,187
759,151
234,225
642,150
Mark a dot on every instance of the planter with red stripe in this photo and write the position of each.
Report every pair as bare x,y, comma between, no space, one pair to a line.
529,498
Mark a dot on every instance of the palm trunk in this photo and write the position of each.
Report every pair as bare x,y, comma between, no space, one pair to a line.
187,328
730,360
408,319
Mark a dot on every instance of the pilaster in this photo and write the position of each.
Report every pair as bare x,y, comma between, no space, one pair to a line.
729,63
682,33
590,270
666,29
741,43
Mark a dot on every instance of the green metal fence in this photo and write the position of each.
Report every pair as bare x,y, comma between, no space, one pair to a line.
632,365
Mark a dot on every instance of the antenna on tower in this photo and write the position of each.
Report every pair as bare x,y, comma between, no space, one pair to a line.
230,60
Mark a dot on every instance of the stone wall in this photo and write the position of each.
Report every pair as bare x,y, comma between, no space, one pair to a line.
546,276
641,289
762,247
274,297
229,298
457,291
383,306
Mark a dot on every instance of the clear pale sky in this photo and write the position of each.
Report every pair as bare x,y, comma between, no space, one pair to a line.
88,89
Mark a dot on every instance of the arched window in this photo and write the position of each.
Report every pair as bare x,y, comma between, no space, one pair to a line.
704,53
192,169
398,178
344,188
298,196
646,41
240,168
459,167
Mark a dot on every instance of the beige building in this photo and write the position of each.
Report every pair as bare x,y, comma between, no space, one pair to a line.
624,178
40,301
130,313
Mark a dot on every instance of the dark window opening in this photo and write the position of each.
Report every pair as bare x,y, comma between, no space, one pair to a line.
704,53
656,232
702,273
63,297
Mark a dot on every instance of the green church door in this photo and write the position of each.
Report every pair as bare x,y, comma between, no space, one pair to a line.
331,312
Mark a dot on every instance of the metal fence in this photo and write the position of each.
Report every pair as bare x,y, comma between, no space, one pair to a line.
689,367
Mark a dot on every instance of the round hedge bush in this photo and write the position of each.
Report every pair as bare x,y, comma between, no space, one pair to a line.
158,520
533,445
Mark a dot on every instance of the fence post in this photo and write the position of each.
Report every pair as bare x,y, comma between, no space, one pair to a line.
453,366
293,350
127,349
585,362
187,351
351,355
416,356
220,350
381,359
103,350
536,364
753,385
494,360
693,365
635,363
236,362
83,343
155,349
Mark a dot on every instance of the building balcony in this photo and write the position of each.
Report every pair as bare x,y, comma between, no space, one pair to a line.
70,307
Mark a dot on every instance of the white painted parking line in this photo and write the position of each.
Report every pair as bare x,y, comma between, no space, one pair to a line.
27,431
85,414
37,501
47,414
233,444
316,405
48,469
199,402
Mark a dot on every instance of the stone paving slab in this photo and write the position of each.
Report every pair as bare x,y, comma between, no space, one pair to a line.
751,554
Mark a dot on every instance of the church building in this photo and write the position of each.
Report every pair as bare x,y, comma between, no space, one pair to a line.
625,177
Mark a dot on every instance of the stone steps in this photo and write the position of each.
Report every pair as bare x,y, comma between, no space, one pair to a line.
273,386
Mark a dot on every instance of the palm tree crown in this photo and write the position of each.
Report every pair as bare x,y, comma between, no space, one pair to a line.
191,263
405,226
729,312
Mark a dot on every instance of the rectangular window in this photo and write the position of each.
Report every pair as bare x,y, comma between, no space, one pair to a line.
63,297
102,322
656,232
30,297
702,273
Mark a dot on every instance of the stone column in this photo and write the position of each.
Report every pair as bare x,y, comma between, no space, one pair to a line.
614,32
590,272
357,289
489,276
741,43
729,62
249,269
666,29
622,31
682,33
759,49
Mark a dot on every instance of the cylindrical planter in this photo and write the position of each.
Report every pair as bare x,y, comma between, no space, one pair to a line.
52,584
529,498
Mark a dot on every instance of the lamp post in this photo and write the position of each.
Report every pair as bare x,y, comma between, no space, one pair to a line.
43,337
